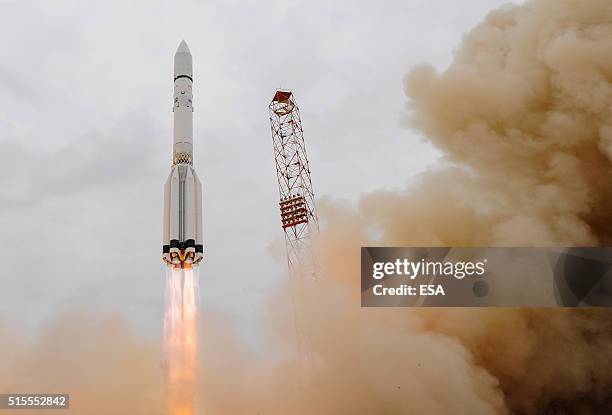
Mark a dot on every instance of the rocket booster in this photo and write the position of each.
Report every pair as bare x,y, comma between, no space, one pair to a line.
182,241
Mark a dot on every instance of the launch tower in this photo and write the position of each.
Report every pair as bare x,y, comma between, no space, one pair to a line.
297,205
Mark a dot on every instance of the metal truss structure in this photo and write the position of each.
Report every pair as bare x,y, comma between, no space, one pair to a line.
297,205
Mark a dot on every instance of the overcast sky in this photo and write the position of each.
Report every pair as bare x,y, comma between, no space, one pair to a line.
86,136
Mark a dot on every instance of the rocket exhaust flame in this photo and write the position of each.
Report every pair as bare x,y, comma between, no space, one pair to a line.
180,340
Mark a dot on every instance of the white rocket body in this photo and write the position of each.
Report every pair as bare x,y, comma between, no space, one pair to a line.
182,241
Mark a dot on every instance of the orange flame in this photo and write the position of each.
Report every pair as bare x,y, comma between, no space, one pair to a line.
180,340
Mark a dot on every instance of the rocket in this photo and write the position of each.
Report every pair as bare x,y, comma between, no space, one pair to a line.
182,236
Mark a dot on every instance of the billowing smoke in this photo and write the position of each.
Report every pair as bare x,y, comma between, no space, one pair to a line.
525,113
523,118
95,357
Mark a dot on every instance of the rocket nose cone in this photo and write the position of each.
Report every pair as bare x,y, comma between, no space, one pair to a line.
182,61
183,48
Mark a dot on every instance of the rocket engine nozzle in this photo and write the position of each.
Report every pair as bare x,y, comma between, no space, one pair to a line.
183,255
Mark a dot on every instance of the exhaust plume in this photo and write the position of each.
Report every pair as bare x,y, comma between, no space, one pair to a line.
180,340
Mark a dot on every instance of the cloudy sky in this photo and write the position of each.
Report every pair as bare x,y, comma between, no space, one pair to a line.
86,130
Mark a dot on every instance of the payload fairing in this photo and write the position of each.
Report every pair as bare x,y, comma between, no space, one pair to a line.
182,244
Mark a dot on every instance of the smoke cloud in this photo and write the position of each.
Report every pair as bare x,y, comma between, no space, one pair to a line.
95,357
523,119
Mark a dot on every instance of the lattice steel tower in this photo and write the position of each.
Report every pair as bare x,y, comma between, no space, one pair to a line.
297,205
